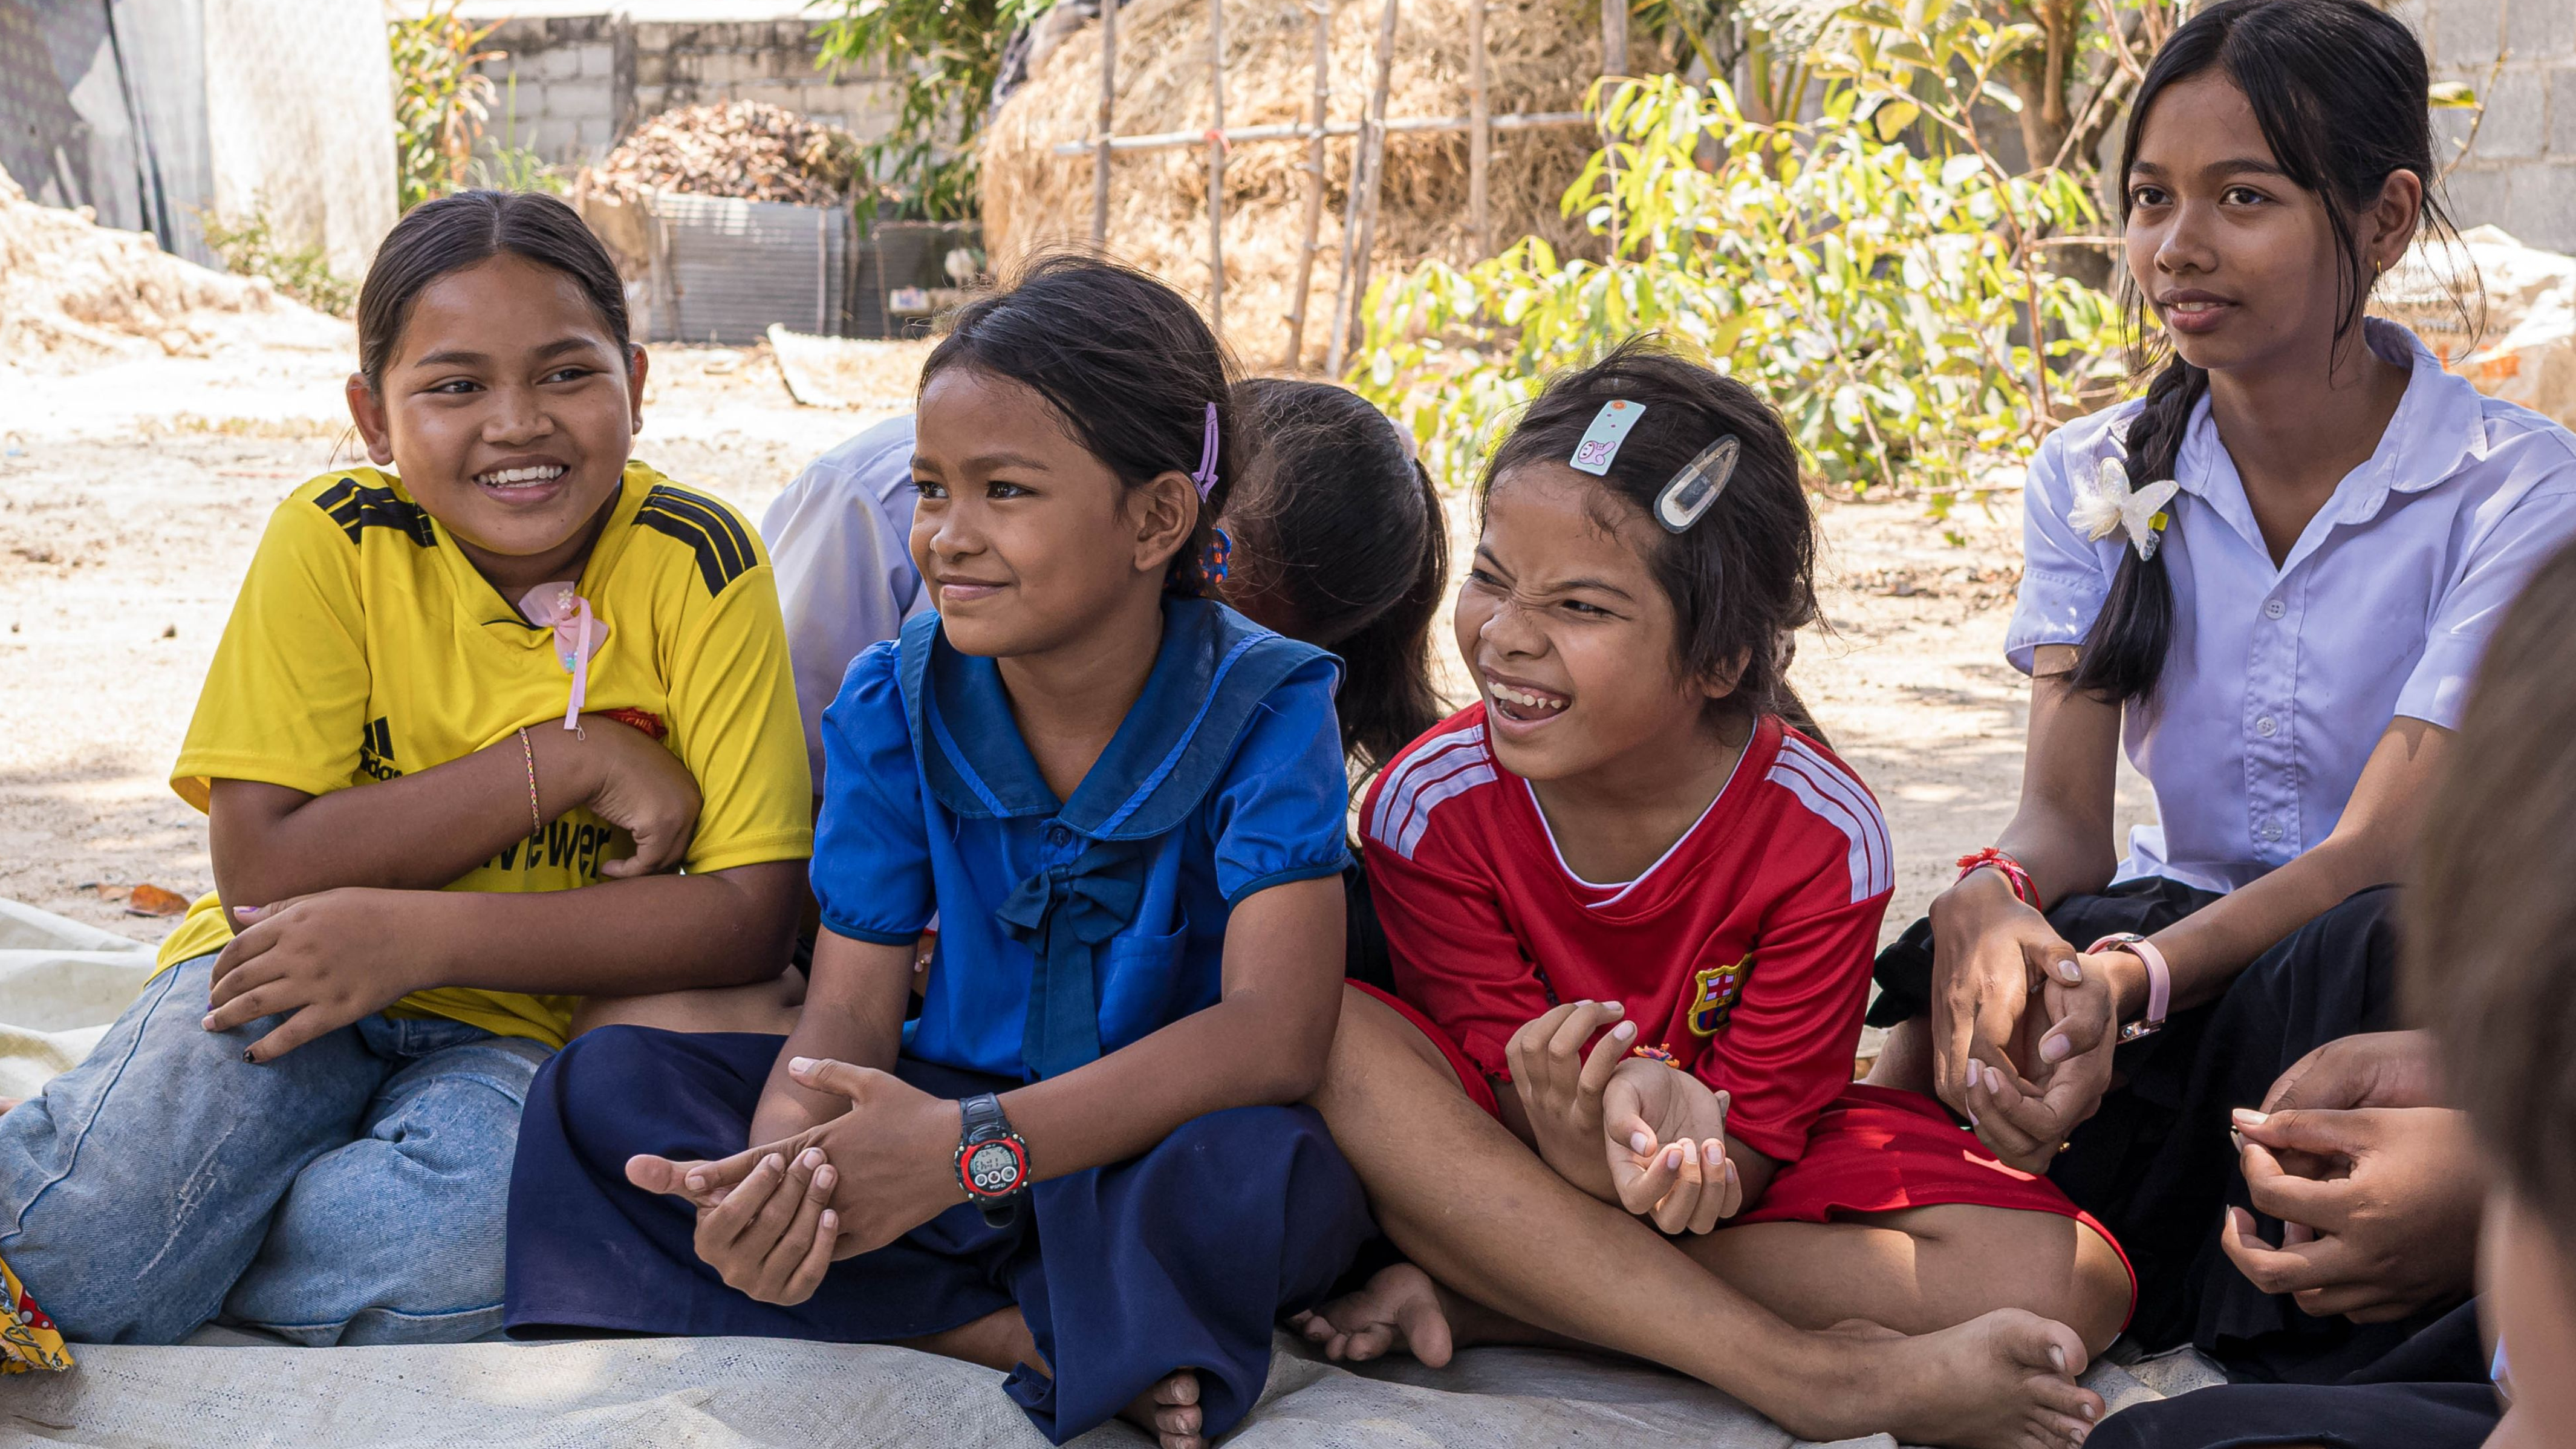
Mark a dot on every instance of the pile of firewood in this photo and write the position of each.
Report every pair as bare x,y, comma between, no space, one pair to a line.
742,149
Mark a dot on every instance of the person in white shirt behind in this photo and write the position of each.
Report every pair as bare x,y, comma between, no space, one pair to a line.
2269,580
840,541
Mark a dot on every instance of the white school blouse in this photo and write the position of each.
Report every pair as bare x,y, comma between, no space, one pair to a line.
2281,680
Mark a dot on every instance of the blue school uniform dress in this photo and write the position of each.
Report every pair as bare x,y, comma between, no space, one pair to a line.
1068,929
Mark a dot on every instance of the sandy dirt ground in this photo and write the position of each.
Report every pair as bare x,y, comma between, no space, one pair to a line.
132,496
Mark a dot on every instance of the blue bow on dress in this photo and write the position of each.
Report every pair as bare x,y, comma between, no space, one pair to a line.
1062,913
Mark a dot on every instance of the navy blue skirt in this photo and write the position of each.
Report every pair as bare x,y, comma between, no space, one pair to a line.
1184,1257
2430,1392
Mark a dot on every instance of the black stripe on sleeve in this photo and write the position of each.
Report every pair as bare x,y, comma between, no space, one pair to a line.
722,546
718,519
356,509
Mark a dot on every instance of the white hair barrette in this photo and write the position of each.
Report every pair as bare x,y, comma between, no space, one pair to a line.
1695,488
2105,504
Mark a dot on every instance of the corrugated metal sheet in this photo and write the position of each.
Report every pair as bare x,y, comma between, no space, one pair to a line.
900,257
724,270
103,104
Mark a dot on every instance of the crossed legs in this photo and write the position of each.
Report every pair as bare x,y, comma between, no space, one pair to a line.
1853,1330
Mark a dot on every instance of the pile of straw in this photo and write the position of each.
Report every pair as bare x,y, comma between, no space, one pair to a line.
74,293
1543,55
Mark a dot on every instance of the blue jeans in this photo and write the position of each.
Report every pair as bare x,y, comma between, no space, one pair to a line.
352,1191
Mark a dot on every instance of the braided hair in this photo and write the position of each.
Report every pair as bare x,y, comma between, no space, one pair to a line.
2338,88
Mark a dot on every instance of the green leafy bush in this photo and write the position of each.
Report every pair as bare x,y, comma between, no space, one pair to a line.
1884,297
440,100
946,54
505,165
250,248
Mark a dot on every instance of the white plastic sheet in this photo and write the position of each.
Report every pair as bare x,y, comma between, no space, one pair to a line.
61,983
299,116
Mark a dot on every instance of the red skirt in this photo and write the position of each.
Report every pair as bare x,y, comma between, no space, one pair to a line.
1874,1150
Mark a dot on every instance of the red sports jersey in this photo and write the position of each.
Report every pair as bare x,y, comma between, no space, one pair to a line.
1745,950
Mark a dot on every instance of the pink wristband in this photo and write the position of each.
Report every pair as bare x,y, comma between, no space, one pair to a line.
2159,977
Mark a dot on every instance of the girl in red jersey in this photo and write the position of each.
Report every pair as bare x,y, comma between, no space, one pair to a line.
1622,844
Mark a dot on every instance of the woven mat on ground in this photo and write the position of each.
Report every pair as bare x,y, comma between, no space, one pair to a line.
737,1393
61,983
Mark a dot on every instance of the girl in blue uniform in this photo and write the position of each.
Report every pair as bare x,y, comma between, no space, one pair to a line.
1126,804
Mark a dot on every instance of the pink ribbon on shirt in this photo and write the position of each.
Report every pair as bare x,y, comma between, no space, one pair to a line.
578,635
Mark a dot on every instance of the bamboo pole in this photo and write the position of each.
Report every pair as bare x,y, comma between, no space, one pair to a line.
1108,104
1216,166
1480,136
1322,11
1614,63
1359,221
1303,130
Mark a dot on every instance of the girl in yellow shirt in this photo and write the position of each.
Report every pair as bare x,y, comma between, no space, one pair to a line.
506,725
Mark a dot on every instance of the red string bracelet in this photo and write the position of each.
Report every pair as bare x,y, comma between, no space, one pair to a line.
2024,889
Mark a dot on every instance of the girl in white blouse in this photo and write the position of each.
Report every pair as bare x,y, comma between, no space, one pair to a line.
2269,581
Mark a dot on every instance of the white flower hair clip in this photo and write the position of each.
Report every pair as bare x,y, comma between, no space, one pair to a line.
2106,504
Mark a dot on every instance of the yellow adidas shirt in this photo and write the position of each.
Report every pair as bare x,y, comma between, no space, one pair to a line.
364,645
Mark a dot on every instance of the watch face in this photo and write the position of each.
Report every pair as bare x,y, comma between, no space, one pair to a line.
994,1169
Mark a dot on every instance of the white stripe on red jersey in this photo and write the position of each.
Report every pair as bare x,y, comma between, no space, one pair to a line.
1443,766
1824,788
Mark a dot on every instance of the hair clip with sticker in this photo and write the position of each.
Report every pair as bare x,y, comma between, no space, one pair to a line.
1599,446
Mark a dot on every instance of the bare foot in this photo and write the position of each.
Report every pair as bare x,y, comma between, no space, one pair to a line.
1400,1308
1170,1412
2005,1380
8,1102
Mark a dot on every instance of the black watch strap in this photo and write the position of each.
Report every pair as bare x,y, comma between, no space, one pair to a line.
992,1160
984,1117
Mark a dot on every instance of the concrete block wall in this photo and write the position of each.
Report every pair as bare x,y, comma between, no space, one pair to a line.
2520,173
571,85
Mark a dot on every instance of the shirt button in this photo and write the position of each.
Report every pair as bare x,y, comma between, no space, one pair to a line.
2274,608
1058,835
2271,830
2265,727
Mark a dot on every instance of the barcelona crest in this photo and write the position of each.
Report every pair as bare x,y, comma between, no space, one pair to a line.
1713,994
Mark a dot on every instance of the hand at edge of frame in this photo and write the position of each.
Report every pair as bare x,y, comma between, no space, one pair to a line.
2390,1227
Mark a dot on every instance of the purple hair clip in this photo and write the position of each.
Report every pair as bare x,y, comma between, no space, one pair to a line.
1205,477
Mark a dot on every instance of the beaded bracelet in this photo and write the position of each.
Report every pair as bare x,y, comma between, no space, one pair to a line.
536,817
2024,889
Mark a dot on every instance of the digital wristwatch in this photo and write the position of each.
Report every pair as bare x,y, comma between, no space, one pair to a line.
992,1160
